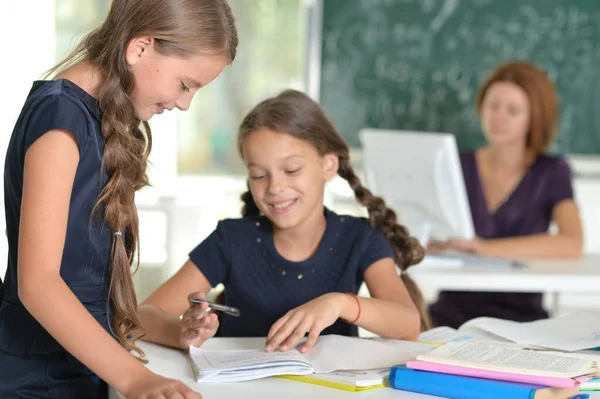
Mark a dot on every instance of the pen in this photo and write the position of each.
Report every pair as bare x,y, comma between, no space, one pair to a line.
215,306
580,396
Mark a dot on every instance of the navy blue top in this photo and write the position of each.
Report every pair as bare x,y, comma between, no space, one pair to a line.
263,285
58,104
526,211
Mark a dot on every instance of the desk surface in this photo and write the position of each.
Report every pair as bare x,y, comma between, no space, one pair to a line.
581,276
175,364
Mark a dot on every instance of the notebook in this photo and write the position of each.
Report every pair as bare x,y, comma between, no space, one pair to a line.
330,353
513,358
348,380
459,387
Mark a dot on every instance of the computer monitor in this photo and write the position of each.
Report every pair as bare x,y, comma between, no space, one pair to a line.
419,175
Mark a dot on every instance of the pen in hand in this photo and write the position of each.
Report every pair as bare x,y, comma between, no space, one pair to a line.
215,306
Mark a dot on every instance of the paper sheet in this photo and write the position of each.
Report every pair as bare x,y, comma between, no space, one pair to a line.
330,353
221,360
334,352
572,332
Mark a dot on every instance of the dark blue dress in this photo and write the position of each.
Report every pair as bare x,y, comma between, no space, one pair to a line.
32,363
263,285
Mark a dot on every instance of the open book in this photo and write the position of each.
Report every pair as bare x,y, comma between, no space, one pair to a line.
512,358
330,353
573,332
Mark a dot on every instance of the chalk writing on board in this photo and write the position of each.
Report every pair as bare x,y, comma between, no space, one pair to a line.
417,64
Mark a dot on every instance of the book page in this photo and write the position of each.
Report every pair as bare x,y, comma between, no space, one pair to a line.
465,333
237,359
505,357
335,352
442,335
572,332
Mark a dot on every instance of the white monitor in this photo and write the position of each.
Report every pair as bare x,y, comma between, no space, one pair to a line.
419,175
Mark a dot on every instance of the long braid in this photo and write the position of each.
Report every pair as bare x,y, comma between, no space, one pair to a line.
407,249
249,208
125,159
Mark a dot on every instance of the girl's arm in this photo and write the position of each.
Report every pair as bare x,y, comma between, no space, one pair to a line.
567,243
160,312
390,312
49,172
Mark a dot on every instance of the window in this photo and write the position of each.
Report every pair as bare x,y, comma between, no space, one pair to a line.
271,57
201,141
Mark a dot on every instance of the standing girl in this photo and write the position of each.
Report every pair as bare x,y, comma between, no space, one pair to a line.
75,159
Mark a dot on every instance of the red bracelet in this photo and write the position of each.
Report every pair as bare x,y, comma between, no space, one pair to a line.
358,303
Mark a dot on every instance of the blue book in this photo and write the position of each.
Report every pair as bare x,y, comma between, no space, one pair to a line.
459,387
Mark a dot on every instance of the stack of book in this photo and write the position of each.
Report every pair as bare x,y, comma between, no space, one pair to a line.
490,370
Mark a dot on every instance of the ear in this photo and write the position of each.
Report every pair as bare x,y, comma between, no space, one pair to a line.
331,163
137,48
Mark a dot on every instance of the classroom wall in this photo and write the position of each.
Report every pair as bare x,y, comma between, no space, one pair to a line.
195,216
194,212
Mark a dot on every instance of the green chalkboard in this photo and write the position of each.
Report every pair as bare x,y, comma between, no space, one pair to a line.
417,64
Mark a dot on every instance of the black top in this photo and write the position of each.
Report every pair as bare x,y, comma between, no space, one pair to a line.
263,285
58,104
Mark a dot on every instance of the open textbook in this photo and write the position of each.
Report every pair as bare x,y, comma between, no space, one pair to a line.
572,332
330,353
513,358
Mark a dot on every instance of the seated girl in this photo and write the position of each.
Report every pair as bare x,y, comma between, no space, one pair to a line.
290,265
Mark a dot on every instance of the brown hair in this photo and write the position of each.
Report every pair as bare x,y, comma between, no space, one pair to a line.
180,28
294,113
543,113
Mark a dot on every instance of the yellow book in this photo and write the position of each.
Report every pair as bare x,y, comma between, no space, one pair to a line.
350,380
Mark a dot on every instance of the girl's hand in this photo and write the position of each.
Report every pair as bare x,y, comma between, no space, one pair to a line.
197,325
435,247
153,386
312,317
473,246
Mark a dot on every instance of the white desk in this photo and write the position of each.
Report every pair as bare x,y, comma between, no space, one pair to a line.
175,364
581,276
553,277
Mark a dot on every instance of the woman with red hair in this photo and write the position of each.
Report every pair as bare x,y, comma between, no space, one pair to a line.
515,191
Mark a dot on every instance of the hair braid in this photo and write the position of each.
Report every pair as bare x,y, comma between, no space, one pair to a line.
407,249
249,209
